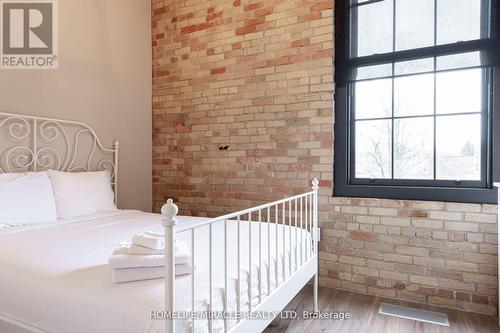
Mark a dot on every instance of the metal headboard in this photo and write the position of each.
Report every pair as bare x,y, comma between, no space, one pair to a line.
32,143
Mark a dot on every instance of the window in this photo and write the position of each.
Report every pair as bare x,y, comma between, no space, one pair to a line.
416,83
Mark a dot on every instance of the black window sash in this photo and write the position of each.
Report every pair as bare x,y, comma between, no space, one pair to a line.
485,142
443,190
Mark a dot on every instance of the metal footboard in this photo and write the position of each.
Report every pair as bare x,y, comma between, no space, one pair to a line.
294,215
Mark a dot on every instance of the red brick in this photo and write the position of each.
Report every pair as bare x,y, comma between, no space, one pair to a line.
245,30
414,213
263,12
399,285
462,296
237,3
161,10
218,70
213,16
480,299
428,291
188,29
203,26
161,72
362,235
325,183
322,54
263,101
322,6
332,273
445,293
279,61
197,27
253,6
255,21
300,42
342,250
371,281
299,58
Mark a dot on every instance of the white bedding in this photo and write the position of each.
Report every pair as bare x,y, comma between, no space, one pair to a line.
56,277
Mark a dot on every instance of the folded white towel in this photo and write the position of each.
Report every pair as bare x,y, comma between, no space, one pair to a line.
122,248
150,241
119,275
155,234
127,248
122,259
141,250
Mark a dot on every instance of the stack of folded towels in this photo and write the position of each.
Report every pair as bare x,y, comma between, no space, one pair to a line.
144,259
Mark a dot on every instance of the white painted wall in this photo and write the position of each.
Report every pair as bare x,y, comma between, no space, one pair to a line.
104,79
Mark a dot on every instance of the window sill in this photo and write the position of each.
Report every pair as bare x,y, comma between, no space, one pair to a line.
464,195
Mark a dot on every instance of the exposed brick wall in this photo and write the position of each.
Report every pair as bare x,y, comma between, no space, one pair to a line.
430,252
257,77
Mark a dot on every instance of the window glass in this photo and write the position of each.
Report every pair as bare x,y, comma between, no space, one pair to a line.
414,95
370,72
414,24
414,148
373,149
458,147
458,20
459,91
374,28
373,99
461,60
414,66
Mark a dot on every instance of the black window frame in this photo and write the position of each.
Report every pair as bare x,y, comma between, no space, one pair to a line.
345,184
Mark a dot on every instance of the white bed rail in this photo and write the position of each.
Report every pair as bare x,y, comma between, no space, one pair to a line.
296,213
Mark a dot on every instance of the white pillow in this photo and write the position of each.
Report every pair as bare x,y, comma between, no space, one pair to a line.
26,198
81,193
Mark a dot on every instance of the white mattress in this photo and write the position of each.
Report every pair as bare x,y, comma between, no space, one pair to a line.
56,278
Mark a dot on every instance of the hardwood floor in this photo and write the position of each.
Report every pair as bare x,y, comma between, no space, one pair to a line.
364,316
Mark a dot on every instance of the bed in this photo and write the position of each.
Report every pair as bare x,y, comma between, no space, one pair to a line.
246,266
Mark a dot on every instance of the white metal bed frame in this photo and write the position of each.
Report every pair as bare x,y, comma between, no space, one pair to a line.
300,217
28,143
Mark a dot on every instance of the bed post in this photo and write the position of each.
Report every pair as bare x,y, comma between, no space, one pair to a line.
315,188
116,146
169,212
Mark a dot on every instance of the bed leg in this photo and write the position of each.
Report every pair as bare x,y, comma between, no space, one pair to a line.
169,212
315,187
315,293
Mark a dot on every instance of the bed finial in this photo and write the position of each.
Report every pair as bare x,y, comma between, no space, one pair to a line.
315,183
116,145
169,212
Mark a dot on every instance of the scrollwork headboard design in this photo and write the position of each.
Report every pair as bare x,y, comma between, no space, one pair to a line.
32,143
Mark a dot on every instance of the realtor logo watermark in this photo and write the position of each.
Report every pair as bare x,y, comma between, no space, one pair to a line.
29,34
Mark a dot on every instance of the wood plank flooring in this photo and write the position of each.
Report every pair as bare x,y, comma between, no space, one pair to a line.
365,317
